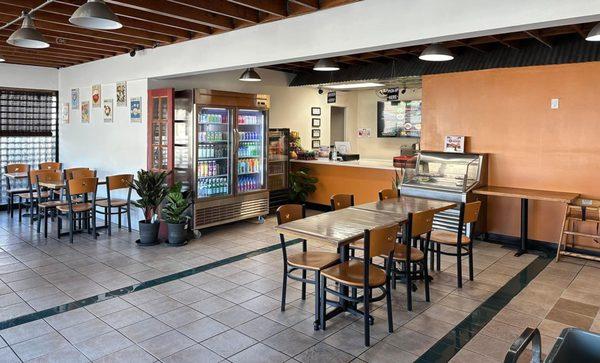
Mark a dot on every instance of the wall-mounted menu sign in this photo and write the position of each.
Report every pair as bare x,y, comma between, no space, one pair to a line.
331,97
393,94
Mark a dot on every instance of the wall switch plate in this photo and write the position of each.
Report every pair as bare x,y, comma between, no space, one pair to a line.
554,103
586,202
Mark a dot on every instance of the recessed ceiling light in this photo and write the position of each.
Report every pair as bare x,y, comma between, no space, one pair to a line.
326,65
27,36
356,85
594,34
95,14
250,75
436,53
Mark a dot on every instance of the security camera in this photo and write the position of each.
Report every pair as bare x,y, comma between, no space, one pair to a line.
403,91
132,53
320,91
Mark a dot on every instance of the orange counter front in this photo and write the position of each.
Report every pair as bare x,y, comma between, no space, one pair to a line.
364,179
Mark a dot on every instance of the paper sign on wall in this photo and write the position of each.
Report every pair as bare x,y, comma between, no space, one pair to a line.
121,94
96,95
75,98
364,133
85,112
136,110
454,144
107,110
65,113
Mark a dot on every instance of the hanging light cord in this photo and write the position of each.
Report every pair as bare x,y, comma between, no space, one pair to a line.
46,2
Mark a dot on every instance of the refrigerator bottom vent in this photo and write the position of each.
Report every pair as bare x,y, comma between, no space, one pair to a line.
235,211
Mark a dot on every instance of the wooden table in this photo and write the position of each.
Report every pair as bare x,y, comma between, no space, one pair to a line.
61,184
525,195
402,206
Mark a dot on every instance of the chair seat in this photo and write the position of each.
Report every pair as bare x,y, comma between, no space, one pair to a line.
351,273
51,204
400,253
77,208
17,191
114,202
35,195
358,245
448,238
313,260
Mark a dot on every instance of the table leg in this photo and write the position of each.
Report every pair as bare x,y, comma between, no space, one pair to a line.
524,227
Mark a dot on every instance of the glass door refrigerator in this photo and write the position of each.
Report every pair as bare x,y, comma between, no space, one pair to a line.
278,167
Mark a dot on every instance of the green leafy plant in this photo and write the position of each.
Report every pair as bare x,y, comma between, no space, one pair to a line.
301,184
150,187
176,205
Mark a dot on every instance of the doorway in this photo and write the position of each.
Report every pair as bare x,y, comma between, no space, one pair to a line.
337,121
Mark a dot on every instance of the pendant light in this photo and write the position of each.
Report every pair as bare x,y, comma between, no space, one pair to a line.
27,36
250,75
1,59
325,65
95,14
594,34
436,53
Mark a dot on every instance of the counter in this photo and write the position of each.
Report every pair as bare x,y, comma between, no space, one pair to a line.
363,178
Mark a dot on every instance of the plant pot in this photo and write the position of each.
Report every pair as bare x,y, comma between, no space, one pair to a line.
177,234
148,233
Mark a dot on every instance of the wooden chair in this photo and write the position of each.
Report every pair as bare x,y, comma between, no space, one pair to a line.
33,194
82,173
406,254
364,275
46,208
50,165
388,194
469,213
303,261
83,211
12,191
68,173
341,201
116,182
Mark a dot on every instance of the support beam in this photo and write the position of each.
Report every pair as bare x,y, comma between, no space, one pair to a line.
537,36
273,7
224,8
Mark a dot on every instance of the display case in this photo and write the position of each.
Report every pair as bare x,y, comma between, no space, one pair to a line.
449,177
278,167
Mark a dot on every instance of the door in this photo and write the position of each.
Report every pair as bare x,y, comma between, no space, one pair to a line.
279,145
160,129
337,124
251,151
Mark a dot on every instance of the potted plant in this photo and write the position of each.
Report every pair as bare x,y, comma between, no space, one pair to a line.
174,214
301,184
151,189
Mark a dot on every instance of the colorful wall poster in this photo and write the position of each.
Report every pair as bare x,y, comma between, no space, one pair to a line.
121,94
75,98
107,110
136,109
85,112
64,112
96,95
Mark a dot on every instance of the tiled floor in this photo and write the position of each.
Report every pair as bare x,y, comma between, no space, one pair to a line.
232,312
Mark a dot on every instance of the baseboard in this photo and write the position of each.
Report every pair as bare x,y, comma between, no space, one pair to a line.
544,246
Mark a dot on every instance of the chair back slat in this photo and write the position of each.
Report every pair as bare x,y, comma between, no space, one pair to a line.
16,168
50,165
472,212
381,240
341,201
387,194
69,172
49,176
82,186
422,223
121,181
290,212
34,174
85,173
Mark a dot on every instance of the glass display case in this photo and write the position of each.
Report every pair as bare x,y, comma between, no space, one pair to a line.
250,153
278,167
214,152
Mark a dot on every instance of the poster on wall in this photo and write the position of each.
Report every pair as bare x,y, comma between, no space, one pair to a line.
107,110
96,95
85,112
454,144
121,94
75,98
64,112
136,110
363,132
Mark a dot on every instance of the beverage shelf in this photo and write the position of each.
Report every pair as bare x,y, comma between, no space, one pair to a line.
213,123
208,159
254,172
249,157
213,142
213,176
253,140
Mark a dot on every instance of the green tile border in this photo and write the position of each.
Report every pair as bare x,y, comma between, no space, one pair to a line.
136,287
457,338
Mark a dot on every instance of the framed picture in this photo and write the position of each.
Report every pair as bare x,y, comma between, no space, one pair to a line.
75,98
316,144
316,133
454,144
121,94
107,110
85,112
96,95
136,109
65,113
316,122
315,111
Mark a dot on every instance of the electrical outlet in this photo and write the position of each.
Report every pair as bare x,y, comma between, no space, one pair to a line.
554,103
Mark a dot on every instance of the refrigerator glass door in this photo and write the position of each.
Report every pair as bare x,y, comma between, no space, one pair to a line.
251,150
278,159
214,133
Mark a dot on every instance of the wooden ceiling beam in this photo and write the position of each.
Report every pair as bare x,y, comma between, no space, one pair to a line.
56,51
579,31
539,37
36,61
48,55
503,42
272,7
311,4
223,8
178,11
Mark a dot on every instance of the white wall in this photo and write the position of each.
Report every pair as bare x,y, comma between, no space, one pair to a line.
29,77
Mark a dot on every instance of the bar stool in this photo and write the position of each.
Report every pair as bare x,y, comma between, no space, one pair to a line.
116,182
387,194
406,254
83,211
469,213
364,275
303,261
341,201
50,165
47,207
11,192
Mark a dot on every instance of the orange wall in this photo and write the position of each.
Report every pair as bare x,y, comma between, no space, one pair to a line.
506,113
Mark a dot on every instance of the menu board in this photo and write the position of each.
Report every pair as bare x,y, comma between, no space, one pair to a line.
399,118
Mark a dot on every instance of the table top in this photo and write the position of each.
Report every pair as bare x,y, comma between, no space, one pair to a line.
547,195
337,227
17,175
61,184
403,205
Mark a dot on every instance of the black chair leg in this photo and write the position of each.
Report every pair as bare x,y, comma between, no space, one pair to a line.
408,285
10,206
93,217
426,279
323,303
71,226
388,300
119,213
432,257
459,266
471,261
366,308
284,287
439,257
45,223
304,285
108,217
20,208
128,219
39,219
317,301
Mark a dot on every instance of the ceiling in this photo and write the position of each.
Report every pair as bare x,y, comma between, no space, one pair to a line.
483,45
146,24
